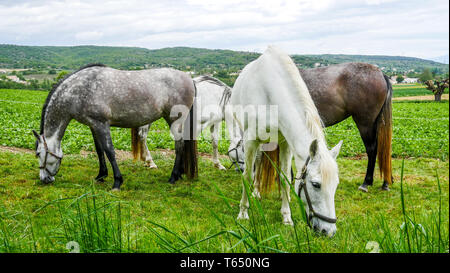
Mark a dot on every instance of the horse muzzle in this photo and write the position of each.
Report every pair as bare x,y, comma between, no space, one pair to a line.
45,177
323,228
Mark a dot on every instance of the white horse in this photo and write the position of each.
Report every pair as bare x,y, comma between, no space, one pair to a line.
212,96
273,79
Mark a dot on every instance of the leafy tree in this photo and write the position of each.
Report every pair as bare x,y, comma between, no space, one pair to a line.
400,78
61,75
426,75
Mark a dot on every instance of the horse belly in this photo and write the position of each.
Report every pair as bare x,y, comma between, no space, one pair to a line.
136,116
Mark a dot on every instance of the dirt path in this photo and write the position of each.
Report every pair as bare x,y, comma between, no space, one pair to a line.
428,97
120,154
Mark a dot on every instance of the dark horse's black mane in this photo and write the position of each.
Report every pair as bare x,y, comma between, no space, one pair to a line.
55,86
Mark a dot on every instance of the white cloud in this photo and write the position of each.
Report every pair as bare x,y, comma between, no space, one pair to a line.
89,36
388,27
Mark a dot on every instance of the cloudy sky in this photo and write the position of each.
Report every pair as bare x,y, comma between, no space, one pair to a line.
416,28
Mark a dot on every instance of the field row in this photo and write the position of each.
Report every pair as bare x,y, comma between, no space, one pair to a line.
420,129
412,90
151,215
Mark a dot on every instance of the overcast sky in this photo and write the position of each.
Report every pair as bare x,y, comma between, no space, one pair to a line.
371,27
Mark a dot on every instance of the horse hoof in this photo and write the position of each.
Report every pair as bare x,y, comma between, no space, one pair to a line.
219,166
172,180
385,188
151,165
256,194
242,216
115,189
100,178
287,220
363,188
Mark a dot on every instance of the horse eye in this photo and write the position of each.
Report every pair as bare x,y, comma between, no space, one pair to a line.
316,185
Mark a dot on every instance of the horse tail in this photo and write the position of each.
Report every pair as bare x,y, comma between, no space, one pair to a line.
268,170
136,145
190,145
384,135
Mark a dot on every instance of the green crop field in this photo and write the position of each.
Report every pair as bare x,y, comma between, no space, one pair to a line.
150,215
409,90
420,129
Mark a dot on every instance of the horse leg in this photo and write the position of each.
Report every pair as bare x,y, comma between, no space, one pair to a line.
178,167
103,133
215,144
103,172
257,165
250,152
145,153
285,166
369,137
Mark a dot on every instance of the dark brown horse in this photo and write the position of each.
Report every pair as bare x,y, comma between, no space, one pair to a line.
363,92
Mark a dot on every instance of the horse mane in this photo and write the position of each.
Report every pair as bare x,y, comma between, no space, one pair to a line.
314,123
212,80
226,92
55,86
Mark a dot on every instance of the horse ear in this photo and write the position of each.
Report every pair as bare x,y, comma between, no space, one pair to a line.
36,135
313,148
336,149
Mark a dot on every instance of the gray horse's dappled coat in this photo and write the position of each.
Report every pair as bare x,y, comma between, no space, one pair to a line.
100,97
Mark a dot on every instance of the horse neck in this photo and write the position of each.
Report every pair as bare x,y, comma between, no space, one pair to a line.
55,125
298,134
234,131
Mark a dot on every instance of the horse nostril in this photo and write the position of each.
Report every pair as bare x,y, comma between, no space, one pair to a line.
324,231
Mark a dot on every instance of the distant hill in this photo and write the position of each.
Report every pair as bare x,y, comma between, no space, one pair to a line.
184,58
388,63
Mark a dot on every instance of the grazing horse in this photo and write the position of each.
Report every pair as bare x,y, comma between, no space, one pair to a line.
213,95
363,92
273,80
100,97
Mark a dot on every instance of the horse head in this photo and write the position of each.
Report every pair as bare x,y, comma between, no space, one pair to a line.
49,161
317,186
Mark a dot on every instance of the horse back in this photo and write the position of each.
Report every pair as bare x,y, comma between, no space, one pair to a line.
129,98
343,90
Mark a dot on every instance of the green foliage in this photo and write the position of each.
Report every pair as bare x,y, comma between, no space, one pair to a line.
426,75
60,76
400,78
389,64
193,59
420,129
411,90
424,134
151,215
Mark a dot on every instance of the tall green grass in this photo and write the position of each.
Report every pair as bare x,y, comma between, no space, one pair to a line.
98,221
422,233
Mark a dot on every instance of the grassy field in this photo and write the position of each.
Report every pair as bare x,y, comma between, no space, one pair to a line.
408,90
420,129
150,215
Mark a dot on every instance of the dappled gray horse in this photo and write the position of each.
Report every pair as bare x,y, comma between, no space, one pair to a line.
101,97
213,96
